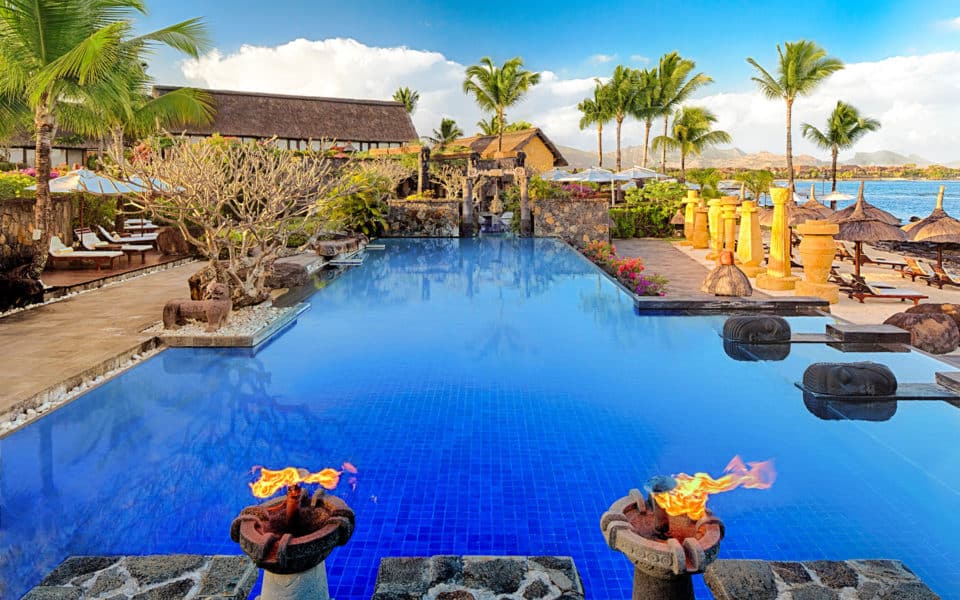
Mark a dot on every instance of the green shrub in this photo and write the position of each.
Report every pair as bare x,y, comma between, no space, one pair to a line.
624,222
97,210
363,211
12,185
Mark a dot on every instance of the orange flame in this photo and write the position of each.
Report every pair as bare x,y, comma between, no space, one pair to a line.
270,482
690,496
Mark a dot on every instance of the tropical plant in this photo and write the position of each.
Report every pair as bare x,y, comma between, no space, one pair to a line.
14,184
691,133
758,182
408,98
447,133
647,106
708,179
664,192
600,252
596,111
674,86
497,88
844,127
621,93
77,64
491,126
801,68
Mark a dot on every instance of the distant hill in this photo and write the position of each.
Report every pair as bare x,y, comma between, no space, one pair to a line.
712,157
885,158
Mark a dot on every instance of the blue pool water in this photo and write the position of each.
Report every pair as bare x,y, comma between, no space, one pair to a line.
497,396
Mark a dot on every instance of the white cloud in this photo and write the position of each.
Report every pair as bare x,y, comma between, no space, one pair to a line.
953,23
602,58
912,96
639,59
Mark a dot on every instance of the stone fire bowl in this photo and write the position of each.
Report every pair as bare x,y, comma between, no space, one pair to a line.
689,548
322,523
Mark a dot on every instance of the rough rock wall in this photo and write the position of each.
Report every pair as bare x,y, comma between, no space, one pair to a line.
16,225
439,218
576,221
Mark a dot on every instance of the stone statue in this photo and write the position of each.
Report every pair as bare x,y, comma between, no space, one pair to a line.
846,410
214,310
756,329
746,352
850,379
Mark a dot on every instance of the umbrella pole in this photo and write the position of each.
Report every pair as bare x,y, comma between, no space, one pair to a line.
856,267
940,255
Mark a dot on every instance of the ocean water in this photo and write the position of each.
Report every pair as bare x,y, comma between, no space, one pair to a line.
902,198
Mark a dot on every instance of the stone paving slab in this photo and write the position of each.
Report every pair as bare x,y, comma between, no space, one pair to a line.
815,580
476,577
157,577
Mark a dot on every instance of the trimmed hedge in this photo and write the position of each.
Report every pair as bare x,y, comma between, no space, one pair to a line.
648,219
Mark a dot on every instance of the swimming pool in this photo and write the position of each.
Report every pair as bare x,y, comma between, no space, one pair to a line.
496,395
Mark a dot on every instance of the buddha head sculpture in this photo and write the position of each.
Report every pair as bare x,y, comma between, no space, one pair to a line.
850,379
757,329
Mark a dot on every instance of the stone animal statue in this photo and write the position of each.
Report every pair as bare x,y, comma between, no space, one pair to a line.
756,329
863,379
214,310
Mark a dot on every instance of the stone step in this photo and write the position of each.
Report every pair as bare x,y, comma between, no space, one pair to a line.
875,334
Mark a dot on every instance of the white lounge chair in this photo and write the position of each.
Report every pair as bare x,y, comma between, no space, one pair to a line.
90,241
147,238
61,252
506,218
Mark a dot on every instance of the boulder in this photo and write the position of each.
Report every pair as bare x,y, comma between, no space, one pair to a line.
18,289
951,310
930,332
335,247
287,275
171,242
198,285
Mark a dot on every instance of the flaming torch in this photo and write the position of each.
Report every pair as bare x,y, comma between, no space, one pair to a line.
291,537
671,535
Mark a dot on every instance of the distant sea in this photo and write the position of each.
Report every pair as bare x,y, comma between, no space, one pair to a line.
903,198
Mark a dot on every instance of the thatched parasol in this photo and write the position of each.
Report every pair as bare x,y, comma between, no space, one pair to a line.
938,228
869,210
814,205
678,218
796,215
861,227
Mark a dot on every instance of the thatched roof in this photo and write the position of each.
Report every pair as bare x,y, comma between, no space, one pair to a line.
249,114
486,145
870,211
863,227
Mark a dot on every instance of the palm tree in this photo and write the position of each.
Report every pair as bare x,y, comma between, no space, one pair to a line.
674,87
621,94
497,88
596,111
802,66
647,106
491,126
691,134
708,179
447,133
408,98
77,64
844,127
758,182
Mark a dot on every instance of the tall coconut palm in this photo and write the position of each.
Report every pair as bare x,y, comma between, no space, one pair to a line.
447,133
675,86
758,182
621,92
497,88
407,97
647,106
691,133
801,68
69,63
596,111
844,127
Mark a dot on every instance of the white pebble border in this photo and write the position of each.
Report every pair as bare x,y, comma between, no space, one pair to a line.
120,279
241,322
44,403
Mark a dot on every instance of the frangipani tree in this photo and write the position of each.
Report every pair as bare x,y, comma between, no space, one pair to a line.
77,64
844,127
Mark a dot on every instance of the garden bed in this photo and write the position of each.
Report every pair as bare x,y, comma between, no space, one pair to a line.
245,328
627,271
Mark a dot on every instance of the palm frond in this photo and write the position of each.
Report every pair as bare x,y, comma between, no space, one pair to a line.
189,37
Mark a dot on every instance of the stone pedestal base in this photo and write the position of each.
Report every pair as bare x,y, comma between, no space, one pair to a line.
828,291
309,585
712,255
652,588
766,281
752,270
686,243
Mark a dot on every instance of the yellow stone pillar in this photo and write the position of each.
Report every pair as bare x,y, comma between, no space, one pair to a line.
689,209
728,206
750,242
778,275
701,239
817,250
715,227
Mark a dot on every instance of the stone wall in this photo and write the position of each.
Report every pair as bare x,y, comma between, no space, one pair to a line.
576,221
429,218
16,225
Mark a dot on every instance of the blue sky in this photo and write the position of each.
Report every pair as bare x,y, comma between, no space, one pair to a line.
573,40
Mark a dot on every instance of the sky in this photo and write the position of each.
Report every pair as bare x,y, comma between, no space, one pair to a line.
903,59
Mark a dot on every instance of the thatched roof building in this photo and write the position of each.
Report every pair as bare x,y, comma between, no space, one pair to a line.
295,120
541,153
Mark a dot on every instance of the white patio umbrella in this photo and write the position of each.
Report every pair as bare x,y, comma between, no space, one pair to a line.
89,182
554,174
636,172
597,175
834,196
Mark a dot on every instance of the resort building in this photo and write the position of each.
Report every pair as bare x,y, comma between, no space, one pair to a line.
542,154
299,122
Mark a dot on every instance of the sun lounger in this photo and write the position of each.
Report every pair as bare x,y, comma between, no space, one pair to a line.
864,290
865,258
851,281
917,268
943,277
61,252
147,238
844,252
90,241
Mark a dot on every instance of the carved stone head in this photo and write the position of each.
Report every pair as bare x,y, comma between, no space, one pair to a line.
218,291
850,379
757,329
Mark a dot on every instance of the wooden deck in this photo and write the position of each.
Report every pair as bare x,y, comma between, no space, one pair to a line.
65,277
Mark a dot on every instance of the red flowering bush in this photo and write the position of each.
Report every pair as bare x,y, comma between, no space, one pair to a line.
600,252
628,271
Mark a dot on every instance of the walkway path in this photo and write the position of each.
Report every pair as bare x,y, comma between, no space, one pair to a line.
44,346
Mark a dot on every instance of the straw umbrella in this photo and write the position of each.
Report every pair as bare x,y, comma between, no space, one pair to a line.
814,205
861,227
869,210
938,228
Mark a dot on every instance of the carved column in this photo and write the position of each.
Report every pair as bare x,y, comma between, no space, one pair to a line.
423,172
817,250
526,218
750,242
778,275
715,227
689,208
467,223
701,239
729,215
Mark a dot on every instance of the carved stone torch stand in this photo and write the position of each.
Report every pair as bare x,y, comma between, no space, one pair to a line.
817,250
290,538
666,551
690,205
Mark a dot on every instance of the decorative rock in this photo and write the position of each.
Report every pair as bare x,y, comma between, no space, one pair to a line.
577,221
951,310
456,595
501,575
739,579
154,569
174,590
76,566
791,572
933,333
814,592
226,576
335,247
288,275
409,218
833,574
54,593
107,581
850,379
536,589
171,242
